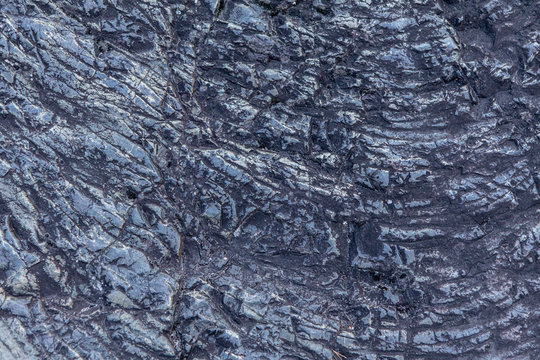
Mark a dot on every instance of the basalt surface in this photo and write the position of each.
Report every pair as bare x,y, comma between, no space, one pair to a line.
264,179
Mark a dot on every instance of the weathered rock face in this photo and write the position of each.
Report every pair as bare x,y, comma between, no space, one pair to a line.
226,179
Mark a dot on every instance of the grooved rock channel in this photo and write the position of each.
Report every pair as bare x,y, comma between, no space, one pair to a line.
264,179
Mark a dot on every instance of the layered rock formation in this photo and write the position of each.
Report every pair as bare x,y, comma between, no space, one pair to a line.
226,179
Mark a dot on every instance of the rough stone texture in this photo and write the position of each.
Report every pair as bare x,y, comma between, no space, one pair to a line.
264,179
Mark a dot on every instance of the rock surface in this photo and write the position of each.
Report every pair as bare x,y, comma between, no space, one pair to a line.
227,179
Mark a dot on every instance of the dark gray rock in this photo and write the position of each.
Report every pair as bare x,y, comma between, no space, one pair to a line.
226,179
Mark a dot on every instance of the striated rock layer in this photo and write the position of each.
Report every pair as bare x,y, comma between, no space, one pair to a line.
264,179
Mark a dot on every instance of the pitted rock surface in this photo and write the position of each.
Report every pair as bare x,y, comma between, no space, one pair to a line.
293,179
